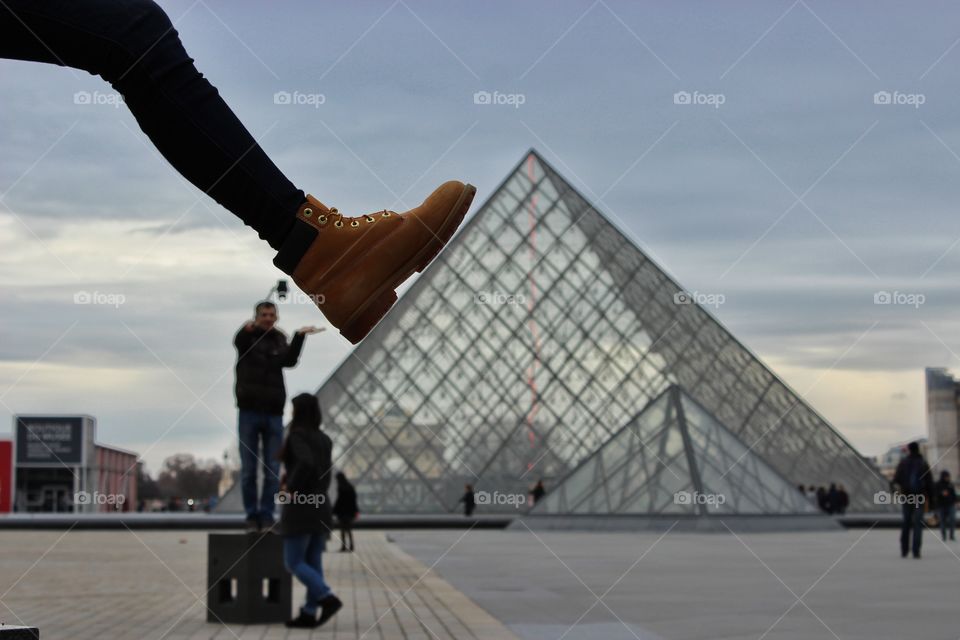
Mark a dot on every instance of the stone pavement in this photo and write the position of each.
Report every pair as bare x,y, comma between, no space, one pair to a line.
151,584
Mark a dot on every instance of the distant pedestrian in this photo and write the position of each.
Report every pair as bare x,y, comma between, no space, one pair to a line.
802,489
305,519
843,499
915,485
538,491
946,505
822,500
346,510
469,501
833,499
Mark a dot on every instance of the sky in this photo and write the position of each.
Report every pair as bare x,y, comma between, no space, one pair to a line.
798,159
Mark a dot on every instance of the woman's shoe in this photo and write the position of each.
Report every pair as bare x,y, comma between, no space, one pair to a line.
328,608
303,621
351,267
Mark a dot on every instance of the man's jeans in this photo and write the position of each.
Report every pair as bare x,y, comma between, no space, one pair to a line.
912,521
303,557
948,521
256,428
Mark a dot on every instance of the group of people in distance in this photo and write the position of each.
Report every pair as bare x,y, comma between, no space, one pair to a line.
834,500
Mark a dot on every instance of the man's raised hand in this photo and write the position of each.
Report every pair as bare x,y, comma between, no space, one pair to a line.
310,330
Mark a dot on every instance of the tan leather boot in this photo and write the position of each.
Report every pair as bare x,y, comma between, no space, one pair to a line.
353,266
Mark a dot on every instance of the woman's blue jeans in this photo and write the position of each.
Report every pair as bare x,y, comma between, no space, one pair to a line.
303,557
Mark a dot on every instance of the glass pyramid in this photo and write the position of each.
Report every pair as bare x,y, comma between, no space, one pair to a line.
674,458
536,335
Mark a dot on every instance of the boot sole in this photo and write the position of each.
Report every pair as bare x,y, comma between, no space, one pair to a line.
379,303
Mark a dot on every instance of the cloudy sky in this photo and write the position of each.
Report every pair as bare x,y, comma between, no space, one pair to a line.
786,183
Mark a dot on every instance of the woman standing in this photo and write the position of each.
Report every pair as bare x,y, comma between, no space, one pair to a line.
346,510
305,520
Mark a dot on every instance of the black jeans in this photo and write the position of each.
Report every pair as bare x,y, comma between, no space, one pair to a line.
912,523
132,45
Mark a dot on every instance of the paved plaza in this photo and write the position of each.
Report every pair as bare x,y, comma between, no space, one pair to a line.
147,584
485,584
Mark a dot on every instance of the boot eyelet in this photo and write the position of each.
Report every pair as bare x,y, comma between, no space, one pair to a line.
370,219
338,223
354,224
308,212
321,218
386,214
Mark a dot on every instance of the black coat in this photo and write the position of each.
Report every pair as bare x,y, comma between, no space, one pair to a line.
345,507
913,476
946,494
261,357
307,458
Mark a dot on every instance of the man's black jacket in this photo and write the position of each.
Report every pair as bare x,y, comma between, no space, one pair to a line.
261,357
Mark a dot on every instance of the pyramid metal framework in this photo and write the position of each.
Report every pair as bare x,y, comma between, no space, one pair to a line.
537,334
674,458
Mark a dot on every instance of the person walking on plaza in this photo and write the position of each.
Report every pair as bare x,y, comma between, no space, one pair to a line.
305,519
469,501
262,354
843,500
349,266
538,491
946,505
346,510
912,479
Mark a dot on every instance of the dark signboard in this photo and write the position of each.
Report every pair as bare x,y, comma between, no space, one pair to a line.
54,440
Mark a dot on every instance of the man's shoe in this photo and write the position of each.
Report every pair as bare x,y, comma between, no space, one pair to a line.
328,608
351,267
252,524
303,621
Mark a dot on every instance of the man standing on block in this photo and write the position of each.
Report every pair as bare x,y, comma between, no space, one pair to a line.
262,353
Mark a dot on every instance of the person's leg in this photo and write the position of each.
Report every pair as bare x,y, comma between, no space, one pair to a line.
315,551
906,525
952,521
272,441
133,45
343,535
249,443
295,549
917,530
942,517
